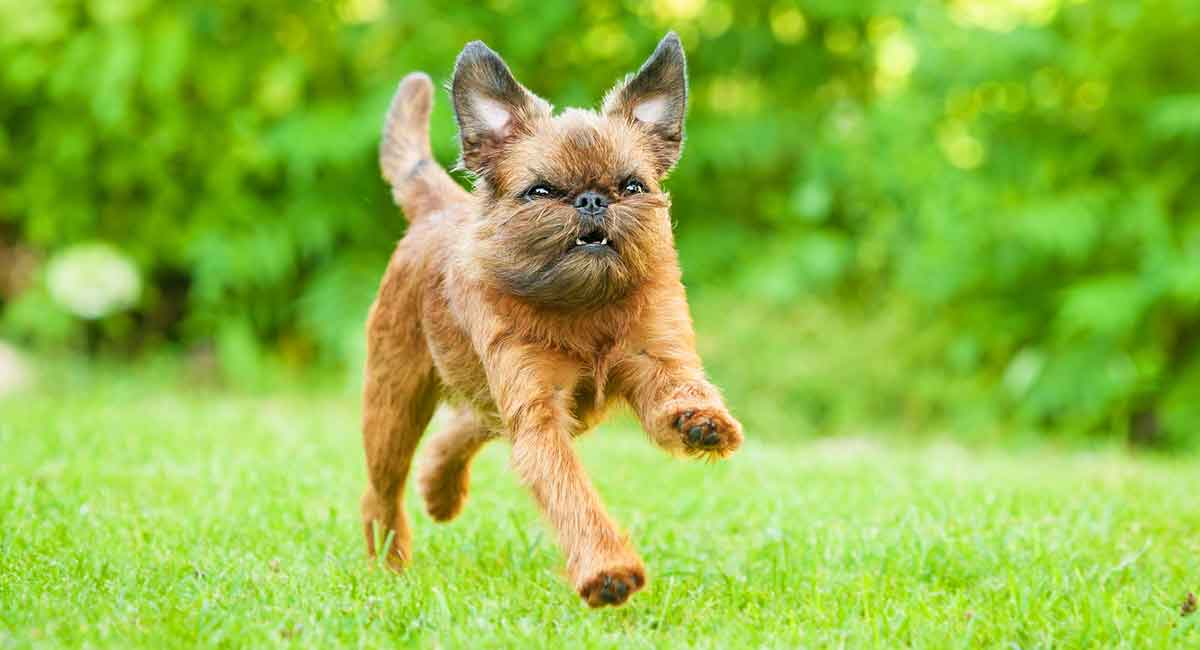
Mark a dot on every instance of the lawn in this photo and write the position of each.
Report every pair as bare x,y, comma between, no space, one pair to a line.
138,510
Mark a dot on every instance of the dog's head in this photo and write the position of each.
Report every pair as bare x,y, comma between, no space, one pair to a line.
573,214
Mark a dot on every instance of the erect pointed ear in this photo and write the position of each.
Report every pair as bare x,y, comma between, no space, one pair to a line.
655,98
491,107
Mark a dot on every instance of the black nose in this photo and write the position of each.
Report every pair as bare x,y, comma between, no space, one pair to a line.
591,203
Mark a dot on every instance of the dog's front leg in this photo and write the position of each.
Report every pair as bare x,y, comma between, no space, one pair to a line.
682,411
663,380
532,391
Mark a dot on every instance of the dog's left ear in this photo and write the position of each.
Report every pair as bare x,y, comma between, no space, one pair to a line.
492,109
655,98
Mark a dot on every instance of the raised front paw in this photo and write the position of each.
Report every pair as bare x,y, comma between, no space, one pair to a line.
707,430
612,586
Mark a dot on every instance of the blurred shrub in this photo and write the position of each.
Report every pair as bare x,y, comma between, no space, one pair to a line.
991,205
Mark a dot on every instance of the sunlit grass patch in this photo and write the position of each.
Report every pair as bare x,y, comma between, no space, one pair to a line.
138,512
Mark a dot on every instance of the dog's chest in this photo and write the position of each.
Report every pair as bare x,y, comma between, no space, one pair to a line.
464,381
591,396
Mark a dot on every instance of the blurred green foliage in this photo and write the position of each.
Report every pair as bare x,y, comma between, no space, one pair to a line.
978,214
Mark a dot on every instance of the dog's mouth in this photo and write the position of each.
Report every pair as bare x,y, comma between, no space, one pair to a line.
593,240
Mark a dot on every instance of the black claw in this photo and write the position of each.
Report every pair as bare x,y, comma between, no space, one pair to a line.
608,591
695,434
622,589
682,419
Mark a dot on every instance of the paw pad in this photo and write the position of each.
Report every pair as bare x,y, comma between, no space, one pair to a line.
612,587
706,431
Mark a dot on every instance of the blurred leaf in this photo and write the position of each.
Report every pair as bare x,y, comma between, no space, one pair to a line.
1177,116
1109,306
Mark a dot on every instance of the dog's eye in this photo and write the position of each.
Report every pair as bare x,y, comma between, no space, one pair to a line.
633,186
541,191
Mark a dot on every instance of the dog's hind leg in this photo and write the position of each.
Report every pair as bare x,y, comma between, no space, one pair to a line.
444,474
399,396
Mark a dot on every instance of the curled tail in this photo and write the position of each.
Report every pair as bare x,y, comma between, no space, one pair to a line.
419,184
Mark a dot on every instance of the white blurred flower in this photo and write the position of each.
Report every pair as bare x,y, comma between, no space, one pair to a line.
14,371
93,280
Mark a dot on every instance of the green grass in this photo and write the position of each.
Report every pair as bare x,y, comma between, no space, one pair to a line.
139,512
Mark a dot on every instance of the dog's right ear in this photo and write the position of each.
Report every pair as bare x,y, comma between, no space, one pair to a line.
655,99
492,109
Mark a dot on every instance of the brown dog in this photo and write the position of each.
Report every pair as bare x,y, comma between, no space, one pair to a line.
534,303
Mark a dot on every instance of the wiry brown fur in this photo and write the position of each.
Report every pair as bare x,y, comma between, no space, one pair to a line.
486,306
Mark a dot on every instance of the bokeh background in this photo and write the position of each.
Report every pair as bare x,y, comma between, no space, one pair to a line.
977,218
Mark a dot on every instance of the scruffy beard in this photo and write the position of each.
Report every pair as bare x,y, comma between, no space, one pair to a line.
537,251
